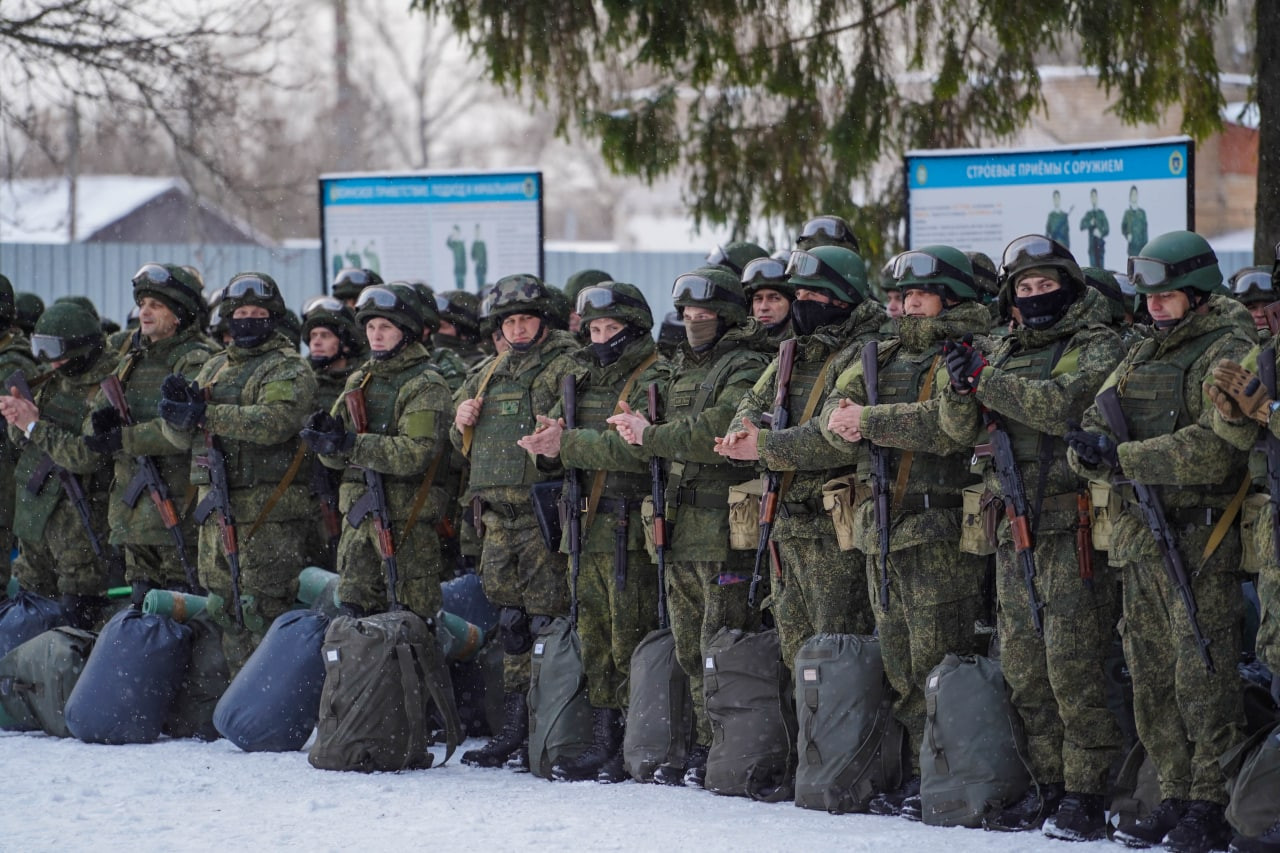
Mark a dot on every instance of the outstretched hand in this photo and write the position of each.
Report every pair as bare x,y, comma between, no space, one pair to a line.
630,424
743,444
545,440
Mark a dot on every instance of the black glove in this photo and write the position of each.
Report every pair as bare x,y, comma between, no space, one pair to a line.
326,434
107,437
1094,449
181,405
964,363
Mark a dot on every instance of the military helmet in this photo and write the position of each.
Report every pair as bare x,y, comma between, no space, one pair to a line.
27,309
67,331
460,308
713,288
426,304
887,282
943,270
348,283
616,300
769,273
583,278
175,286
84,302
833,270
396,302
7,304
827,230
1104,281
985,279
561,308
671,332
736,255
250,288
291,327
333,314
1253,284
1178,260
521,293
1033,252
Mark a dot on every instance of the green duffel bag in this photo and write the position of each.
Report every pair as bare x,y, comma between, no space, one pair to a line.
37,677
559,712
1253,771
207,678
660,708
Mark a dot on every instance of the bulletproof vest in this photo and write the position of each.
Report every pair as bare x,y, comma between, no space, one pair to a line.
329,387
248,463
595,405
496,459
380,394
1037,365
691,392
900,381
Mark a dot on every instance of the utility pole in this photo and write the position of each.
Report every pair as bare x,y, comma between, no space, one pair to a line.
73,168
344,112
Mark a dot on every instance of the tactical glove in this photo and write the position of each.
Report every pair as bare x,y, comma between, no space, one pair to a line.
1245,389
964,365
107,437
1094,449
1226,406
327,435
181,405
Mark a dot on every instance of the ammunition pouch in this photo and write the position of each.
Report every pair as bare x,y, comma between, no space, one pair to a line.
1103,500
548,510
975,535
1256,533
840,500
744,515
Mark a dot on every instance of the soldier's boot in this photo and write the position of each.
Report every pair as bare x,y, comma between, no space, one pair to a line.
518,761
515,731
695,769
1268,842
1152,829
606,731
1203,828
889,803
1030,811
83,611
614,770
1080,817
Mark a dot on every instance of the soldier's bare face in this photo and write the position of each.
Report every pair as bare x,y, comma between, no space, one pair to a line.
1258,310
769,306
383,335
323,342
893,303
521,328
155,320
921,303
604,328
1168,307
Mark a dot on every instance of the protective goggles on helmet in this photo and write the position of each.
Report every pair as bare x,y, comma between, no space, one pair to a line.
1256,280
358,277
720,257
924,265
1032,250
1152,272
54,347
156,277
606,297
380,297
699,288
250,286
512,290
328,304
827,225
762,271
805,265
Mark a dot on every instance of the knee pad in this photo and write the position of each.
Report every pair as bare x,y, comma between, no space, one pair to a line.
513,627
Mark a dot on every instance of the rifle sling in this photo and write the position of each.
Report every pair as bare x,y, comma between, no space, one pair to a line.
1224,523
904,465
420,496
274,498
1045,449
810,405
597,482
469,432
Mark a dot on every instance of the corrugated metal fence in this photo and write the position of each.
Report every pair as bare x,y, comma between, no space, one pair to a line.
102,271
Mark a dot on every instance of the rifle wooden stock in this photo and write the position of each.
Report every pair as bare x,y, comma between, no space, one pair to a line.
1084,537
778,419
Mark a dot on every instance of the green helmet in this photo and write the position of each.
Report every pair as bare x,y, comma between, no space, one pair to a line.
936,269
333,314
713,288
68,331
250,288
83,301
8,309
462,309
348,283
291,327
833,270
768,273
827,230
27,309
736,255
1253,284
1178,260
175,286
985,279
1104,281
426,304
521,293
396,302
611,299
583,278
1038,253
561,308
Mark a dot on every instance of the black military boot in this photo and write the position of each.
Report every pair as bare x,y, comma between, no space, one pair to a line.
1203,828
614,770
695,769
83,611
518,761
673,774
606,729
1080,817
1028,812
515,731
1152,829
1268,842
889,803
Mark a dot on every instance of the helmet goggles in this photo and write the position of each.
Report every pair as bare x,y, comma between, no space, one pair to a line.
1153,272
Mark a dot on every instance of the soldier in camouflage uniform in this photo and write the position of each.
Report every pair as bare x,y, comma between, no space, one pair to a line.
408,407
334,347
348,283
1187,716
707,583
15,354
617,589
29,307
764,281
822,589
494,409
459,325
1254,288
827,230
56,557
169,340
934,594
735,256
1040,377
572,287
251,398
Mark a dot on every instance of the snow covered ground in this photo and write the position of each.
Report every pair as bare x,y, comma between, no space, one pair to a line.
63,795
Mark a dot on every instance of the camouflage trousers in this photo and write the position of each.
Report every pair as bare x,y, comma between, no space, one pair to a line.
518,570
269,567
159,564
612,622
1057,682
699,606
363,575
1269,624
316,550
935,596
62,562
1186,716
823,591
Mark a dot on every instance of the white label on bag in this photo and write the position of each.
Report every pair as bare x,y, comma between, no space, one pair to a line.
710,664
331,655
538,647
810,673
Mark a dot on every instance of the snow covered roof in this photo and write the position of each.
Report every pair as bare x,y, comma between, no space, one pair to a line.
37,210
1241,113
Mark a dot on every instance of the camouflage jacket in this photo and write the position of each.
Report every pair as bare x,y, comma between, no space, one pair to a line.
15,354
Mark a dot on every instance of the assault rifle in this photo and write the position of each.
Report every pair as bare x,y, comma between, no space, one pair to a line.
148,477
214,461
326,493
1271,445
879,469
777,418
1108,404
374,502
571,496
657,489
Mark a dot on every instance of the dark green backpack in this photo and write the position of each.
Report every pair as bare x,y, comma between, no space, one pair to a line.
660,708
380,674
37,677
1253,769
850,747
753,725
559,713
207,678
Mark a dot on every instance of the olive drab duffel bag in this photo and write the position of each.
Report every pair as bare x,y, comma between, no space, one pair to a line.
849,746
753,726
37,677
206,679
660,709
381,674
559,712
971,755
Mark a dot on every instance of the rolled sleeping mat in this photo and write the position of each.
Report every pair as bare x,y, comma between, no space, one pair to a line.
318,589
